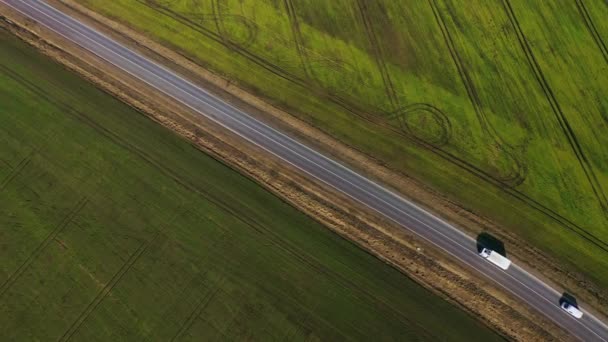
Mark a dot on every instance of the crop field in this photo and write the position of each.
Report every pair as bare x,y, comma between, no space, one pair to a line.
501,105
113,228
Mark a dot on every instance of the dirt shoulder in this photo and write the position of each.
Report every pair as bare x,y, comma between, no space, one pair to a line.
376,235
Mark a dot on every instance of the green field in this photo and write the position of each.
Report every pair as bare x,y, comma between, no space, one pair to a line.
501,105
113,228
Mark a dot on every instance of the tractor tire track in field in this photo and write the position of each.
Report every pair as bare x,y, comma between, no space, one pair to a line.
399,112
298,38
559,114
389,88
582,9
6,165
310,65
220,19
437,115
198,310
518,170
108,287
49,238
18,169
206,299
220,202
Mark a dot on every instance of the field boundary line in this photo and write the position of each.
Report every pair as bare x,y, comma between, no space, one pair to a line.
50,237
582,9
557,110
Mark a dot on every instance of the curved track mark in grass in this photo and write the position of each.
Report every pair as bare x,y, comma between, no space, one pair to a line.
582,9
517,171
221,19
218,18
250,27
364,113
559,114
439,136
404,115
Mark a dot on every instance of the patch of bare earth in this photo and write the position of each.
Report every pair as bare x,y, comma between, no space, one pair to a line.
380,237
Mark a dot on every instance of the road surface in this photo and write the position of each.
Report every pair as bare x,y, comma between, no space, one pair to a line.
391,205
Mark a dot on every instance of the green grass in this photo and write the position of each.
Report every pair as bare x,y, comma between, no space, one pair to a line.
518,89
113,228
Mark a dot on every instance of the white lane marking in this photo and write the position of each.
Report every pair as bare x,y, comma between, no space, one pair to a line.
288,149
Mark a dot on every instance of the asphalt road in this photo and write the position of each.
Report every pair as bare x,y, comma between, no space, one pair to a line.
393,206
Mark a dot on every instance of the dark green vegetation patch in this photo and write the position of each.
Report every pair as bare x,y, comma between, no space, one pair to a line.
501,105
113,228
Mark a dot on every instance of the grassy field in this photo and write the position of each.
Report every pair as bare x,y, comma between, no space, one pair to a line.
499,104
113,228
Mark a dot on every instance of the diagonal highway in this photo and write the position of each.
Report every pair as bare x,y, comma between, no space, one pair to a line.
373,195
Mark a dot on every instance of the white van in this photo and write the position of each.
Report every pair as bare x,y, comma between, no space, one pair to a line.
495,258
571,309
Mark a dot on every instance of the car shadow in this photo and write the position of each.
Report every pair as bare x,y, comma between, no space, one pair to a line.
568,298
486,240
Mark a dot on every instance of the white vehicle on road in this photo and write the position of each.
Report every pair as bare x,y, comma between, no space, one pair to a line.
571,309
495,258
